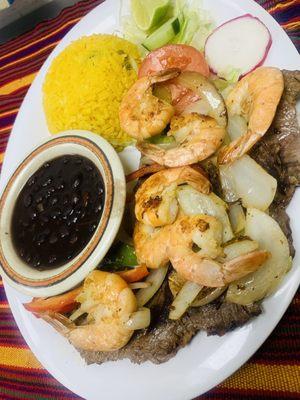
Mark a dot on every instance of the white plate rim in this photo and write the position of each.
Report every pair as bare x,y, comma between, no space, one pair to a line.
289,288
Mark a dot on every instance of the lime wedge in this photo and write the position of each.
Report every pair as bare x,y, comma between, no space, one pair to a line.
148,14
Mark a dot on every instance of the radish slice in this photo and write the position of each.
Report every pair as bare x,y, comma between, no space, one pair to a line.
240,44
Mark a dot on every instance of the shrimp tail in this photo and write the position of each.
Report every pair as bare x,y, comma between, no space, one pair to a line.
243,265
238,148
155,153
59,322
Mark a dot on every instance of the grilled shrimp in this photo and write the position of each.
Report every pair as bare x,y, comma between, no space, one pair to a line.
108,302
255,98
197,137
151,245
201,266
155,201
143,115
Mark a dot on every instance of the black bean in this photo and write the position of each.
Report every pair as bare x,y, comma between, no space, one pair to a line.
53,201
74,219
27,200
75,199
60,185
88,167
44,218
40,207
25,223
33,215
46,232
68,211
47,182
39,198
98,208
53,238
41,239
82,214
55,214
64,231
73,238
66,200
85,198
36,262
92,228
76,183
22,252
52,258
31,181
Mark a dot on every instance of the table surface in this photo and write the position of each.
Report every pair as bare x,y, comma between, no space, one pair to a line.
273,372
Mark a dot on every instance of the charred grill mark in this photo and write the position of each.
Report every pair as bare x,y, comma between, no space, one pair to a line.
153,202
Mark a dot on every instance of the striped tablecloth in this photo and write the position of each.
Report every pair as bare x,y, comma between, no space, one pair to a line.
273,372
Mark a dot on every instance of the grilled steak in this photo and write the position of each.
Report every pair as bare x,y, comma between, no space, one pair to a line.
279,153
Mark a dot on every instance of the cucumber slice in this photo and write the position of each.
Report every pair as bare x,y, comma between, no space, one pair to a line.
162,35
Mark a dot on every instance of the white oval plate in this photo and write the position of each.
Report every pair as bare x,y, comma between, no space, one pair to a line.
207,360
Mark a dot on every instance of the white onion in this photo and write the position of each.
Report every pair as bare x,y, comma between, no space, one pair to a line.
176,281
268,234
193,202
239,248
236,127
76,314
228,185
155,279
237,217
139,285
212,295
139,319
252,183
184,299
211,101
201,107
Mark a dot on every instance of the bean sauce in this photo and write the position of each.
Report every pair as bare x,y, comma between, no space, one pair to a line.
57,211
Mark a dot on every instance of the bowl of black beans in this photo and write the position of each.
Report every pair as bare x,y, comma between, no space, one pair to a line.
60,213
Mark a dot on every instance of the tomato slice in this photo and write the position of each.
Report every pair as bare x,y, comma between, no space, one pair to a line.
63,303
182,97
134,275
181,56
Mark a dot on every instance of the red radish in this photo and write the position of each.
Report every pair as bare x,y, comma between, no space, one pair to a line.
181,56
242,43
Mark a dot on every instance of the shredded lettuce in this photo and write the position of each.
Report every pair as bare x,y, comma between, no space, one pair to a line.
195,24
132,33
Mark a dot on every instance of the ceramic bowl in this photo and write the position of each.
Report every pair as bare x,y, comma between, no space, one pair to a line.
58,280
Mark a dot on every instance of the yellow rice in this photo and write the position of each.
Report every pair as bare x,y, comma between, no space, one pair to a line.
85,85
